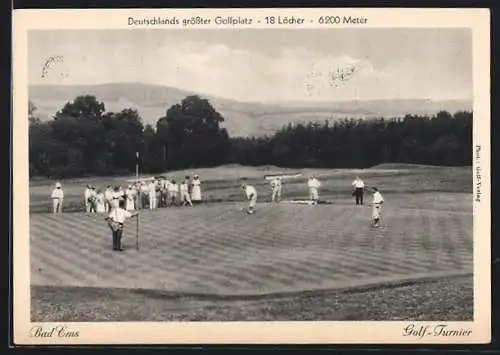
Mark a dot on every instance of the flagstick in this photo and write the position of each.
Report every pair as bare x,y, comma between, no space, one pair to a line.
138,199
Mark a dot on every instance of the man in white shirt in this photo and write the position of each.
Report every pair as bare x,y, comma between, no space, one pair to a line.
93,199
251,195
313,184
359,187
117,197
378,200
184,192
57,197
276,189
87,194
144,191
152,194
116,220
108,198
163,193
173,192
130,198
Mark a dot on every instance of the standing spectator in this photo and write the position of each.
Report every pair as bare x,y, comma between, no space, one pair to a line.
276,189
173,191
378,200
108,198
196,189
184,192
190,184
99,198
92,199
115,202
57,197
130,198
359,187
152,194
145,194
163,193
87,194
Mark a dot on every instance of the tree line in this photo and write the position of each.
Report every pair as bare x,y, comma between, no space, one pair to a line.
83,139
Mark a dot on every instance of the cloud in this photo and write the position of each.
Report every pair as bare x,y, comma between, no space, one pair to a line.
292,74
287,73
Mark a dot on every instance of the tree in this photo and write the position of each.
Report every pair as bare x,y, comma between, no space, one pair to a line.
83,106
123,136
191,133
78,124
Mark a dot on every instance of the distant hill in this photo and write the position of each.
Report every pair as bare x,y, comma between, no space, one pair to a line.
242,118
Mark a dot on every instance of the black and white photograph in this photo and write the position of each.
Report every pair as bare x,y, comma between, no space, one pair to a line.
252,175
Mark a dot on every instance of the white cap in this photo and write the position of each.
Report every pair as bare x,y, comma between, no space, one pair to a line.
58,184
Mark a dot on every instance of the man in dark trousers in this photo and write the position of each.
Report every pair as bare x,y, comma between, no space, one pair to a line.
359,187
116,219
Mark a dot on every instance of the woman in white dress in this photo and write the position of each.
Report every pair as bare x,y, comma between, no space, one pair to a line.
99,201
196,192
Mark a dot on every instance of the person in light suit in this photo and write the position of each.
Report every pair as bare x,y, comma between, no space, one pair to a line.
116,219
313,184
173,193
152,194
184,192
251,196
377,202
276,189
87,195
57,197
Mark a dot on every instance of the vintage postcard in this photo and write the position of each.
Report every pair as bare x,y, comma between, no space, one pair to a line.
251,176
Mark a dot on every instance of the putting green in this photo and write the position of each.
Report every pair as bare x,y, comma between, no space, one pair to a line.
218,249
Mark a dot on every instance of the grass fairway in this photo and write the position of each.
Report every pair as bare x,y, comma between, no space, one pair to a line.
213,262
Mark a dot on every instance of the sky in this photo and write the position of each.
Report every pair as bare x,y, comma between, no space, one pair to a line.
263,64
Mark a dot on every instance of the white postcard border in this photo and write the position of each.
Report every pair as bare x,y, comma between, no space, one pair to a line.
253,332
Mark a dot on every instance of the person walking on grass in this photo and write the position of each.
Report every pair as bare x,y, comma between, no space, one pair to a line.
251,196
378,200
57,197
359,187
116,220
